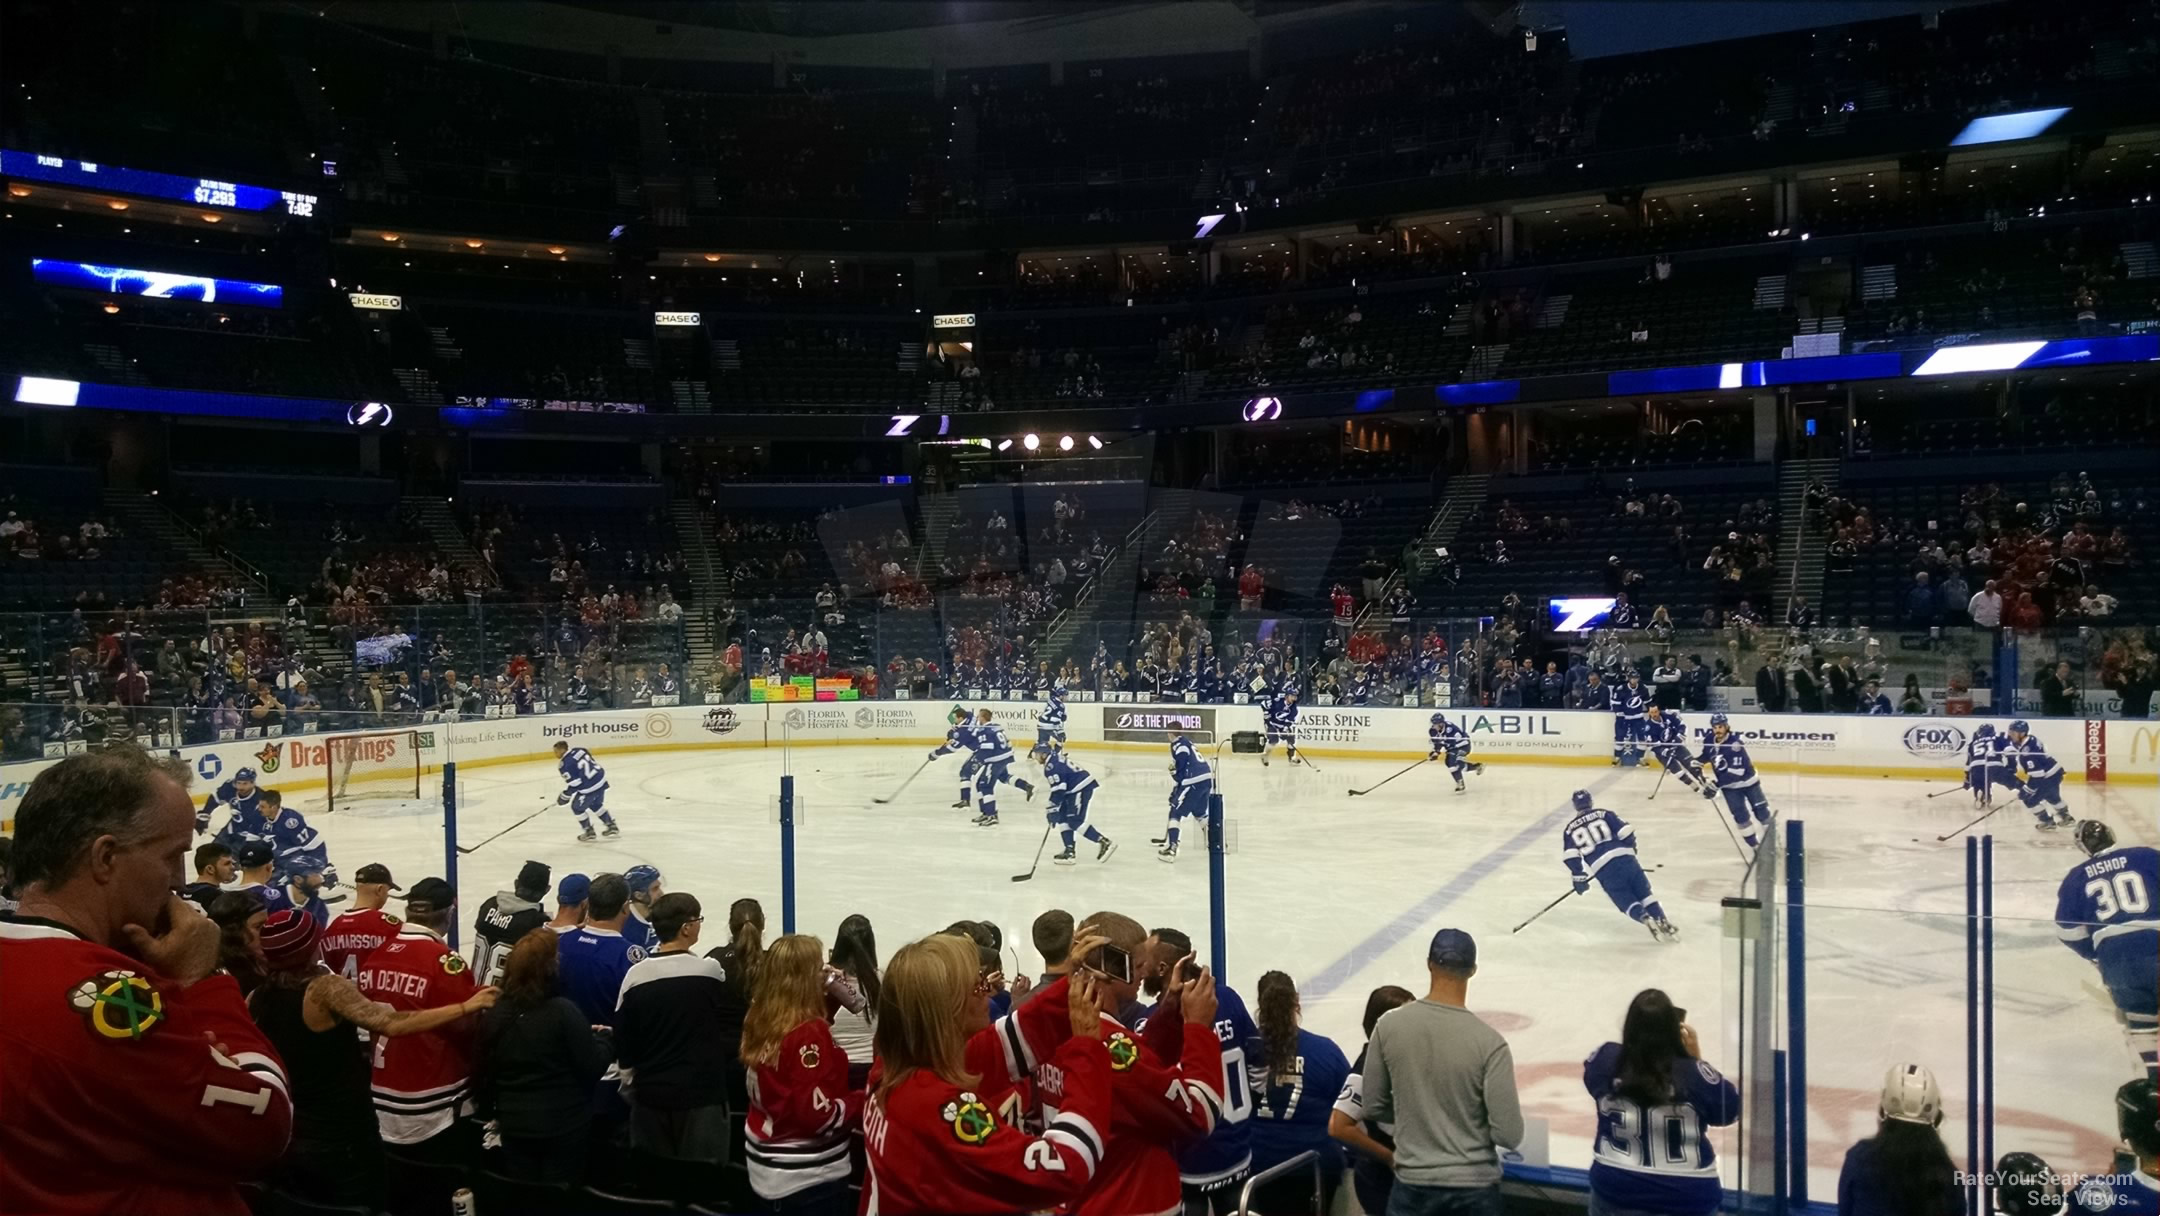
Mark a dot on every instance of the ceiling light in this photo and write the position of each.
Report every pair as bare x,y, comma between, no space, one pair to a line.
1031,441
1065,443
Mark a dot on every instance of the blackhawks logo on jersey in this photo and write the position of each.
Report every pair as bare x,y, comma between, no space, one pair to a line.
453,964
1123,1051
971,1121
809,1056
118,1004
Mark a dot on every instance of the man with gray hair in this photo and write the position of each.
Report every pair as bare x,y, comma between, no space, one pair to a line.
112,988
1447,1082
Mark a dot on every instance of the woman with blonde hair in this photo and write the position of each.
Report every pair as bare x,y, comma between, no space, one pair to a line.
801,1106
940,1130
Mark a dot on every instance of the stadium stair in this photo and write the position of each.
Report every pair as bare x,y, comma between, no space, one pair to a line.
937,516
1770,292
144,514
1466,495
444,533
1113,586
709,588
2140,261
1803,562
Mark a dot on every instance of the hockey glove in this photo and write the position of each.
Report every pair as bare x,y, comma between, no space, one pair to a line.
1581,885
562,799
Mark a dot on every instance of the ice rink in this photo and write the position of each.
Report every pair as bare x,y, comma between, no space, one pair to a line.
1343,893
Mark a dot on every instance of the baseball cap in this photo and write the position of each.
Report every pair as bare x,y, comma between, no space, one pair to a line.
431,892
289,938
1452,948
573,889
534,875
375,873
253,853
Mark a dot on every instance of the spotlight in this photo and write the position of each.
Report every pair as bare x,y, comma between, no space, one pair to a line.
1004,444
1095,443
1031,442
1065,443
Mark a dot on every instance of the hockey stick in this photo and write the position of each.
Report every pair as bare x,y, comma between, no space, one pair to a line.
1975,823
1729,833
1033,865
1384,780
1542,911
1307,763
904,784
505,832
1662,770
1955,789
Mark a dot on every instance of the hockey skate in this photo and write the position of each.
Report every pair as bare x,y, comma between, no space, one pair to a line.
1263,759
1476,766
1664,930
985,821
611,830
1166,853
1104,849
962,805
588,835
1065,857
1460,788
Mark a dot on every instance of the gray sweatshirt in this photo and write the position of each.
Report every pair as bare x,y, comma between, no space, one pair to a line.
1447,1082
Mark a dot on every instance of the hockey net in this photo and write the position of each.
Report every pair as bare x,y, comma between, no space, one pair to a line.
381,771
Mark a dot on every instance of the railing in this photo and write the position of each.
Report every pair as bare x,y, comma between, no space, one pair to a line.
1278,1170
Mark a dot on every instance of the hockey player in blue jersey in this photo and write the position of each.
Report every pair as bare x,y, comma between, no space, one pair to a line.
1280,718
1451,743
2104,911
585,788
1630,706
993,759
297,850
1984,766
1192,781
1666,733
1736,779
2040,778
960,737
238,793
1072,788
1050,719
1599,845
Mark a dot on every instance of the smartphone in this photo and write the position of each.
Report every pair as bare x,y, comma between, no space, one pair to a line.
1113,962
1188,970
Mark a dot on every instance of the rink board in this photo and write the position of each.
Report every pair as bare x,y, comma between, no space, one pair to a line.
2113,750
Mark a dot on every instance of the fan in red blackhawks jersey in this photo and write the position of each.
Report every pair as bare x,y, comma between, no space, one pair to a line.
135,1080
421,1081
349,939
1166,1083
941,1129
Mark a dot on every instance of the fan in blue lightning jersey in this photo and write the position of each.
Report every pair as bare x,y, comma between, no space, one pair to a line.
2104,911
1050,719
1599,846
238,793
1667,735
1451,742
1736,779
1656,1100
1071,789
585,788
1192,781
1280,718
1630,703
2042,777
961,738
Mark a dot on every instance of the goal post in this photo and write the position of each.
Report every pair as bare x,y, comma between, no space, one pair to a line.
373,767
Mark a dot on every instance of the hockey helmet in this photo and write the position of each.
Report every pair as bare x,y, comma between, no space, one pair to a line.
1583,800
958,713
1041,752
245,774
641,879
2021,727
1720,720
2026,1186
1438,719
2095,837
1910,1095
2137,1115
1984,731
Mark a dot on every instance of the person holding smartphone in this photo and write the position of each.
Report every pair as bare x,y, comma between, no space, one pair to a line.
1656,1097
1166,1082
